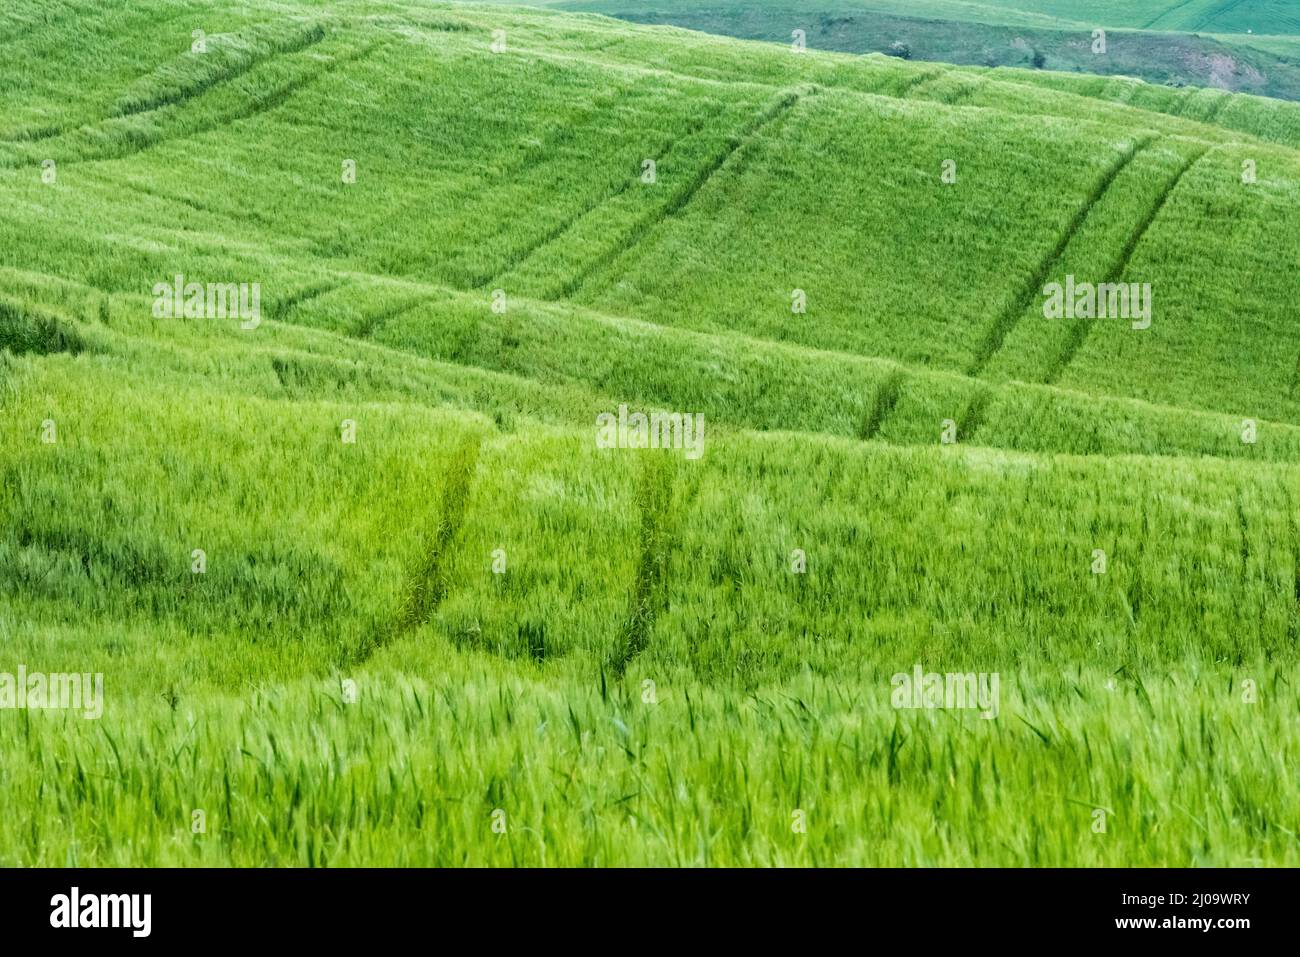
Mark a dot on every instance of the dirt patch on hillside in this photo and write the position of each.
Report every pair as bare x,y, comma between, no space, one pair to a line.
1221,70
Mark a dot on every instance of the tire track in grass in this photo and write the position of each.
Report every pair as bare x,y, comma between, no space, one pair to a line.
964,87
186,91
882,404
197,86
32,134
28,331
1221,11
1244,525
1179,105
1135,591
782,105
8,383
537,156
521,260
1002,326
654,500
371,324
240,220
1174,9
1079,331
430,580
972,417
523,256
922,77
570,286
277,97
280,311
1218,108
51,18
1294,629
965,93
917,90
256,106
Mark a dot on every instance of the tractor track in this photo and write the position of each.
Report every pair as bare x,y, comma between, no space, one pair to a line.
1002,326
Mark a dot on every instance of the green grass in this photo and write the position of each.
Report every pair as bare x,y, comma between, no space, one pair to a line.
1214,16
1168,45
647,680
1207,16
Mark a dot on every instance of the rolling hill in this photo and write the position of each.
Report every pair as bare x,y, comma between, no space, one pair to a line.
365,588
1236,46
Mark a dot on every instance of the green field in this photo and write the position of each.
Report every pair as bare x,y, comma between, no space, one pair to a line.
1165,44
473,636
1272,17
1212,16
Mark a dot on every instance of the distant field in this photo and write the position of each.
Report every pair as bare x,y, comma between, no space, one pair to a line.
1212,16
471,635
1205,16
1007,35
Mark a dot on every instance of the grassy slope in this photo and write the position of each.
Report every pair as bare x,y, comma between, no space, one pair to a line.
1207,16
1213,16
998,37
525,691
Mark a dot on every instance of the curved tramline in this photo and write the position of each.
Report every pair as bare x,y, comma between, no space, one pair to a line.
732,152
1079,333
997,333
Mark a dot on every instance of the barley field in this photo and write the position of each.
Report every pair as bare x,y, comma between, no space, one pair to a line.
365,586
